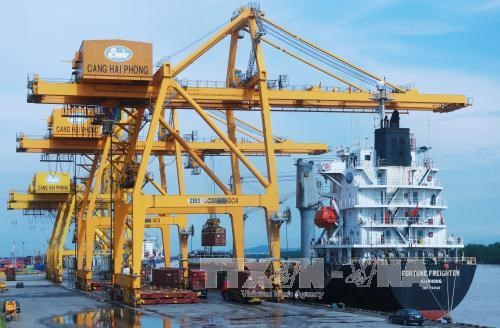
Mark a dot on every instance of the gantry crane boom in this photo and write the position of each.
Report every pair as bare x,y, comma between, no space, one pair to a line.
163,148
245,99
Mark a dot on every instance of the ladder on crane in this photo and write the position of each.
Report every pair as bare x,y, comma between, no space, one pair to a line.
258,34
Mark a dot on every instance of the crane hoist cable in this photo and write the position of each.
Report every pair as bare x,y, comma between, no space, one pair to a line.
223,121
329,54
317,55
222,115
327,60
189,45
243,125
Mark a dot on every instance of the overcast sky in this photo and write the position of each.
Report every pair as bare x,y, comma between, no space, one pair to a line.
441,46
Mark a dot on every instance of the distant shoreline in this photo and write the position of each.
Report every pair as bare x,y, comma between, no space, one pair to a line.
484,254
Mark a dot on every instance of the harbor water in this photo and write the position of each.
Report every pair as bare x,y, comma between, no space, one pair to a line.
482,303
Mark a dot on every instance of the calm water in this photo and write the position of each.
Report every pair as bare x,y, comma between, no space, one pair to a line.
481,305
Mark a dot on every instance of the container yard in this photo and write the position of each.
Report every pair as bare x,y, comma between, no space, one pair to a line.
123,176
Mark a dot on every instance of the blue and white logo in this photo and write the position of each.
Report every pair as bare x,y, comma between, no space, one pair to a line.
118,53
52,179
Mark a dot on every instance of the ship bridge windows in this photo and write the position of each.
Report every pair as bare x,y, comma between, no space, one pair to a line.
367,157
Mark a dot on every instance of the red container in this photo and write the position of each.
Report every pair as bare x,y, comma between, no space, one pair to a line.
212,234
197,279
168,277
10,274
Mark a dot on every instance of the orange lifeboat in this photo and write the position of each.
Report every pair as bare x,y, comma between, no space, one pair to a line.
325,217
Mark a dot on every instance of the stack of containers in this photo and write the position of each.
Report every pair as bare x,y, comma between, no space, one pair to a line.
197,279
168,277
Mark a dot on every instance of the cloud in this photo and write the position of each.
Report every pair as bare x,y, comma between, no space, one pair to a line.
420,28
485,6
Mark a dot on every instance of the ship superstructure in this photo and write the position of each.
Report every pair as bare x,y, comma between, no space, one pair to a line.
379,207
389,199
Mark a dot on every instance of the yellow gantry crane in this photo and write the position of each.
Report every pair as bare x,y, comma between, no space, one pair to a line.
54,197
114,86
76,135
65,205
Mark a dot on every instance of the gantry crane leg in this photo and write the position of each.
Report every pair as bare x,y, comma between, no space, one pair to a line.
87,237
272,188
165,230
80,221
130,284
182,218
50,271
183,249
237,227
119,223
165,238
236,214
60,240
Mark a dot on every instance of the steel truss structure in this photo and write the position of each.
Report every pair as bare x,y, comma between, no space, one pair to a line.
120,157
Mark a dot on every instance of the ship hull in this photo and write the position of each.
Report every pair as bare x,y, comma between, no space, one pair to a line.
443,293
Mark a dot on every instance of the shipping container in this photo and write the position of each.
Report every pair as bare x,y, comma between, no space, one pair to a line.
168,277
10,274
197,281
212,234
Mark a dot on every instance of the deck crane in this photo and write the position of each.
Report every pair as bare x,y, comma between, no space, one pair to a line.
144,99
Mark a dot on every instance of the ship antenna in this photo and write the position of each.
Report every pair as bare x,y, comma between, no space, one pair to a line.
381,97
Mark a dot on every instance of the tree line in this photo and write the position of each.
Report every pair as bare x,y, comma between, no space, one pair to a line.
484,254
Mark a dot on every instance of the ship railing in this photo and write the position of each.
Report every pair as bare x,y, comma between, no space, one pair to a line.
395,202
407,202
451,240
434,240
405,220
431,260
406,182
343,241
382,240
426,162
